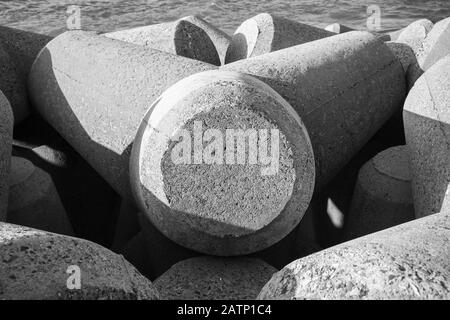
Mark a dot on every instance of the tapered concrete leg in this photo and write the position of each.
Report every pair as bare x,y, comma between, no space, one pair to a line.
382,196
127,224
18,49
209,278
193,179
33,199
6,131
338,28
220,39
180,37
436,45
40,265
343,87
426,116
409,261
95,91
265,33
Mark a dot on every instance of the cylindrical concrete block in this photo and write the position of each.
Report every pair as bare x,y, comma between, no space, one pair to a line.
343,87
220,39
382,196
338,28
33,199
201,170
20,49
426,116
265,33
180,37
409,261
95,91
40,265
209,278
6,132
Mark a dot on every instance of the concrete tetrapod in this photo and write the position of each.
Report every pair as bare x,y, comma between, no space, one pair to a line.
208,193
180,37
22,47
265,33
40,265
382,196
426,115
211,278
33,200
6,132
95,91
408,261
343,88
338,28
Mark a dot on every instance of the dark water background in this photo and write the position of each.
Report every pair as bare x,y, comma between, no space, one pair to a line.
49,16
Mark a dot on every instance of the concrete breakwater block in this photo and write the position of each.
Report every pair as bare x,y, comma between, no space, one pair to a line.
338,28
220,39
40,265
210,278
426,116
344,88
20,49
202,172
436,45
265,33
6,132
180,37
382,196
409,261
33,200
95,91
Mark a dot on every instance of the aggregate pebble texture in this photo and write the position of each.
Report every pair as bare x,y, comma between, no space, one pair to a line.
22,48
344,88
265,33
38,265
409,261
426,117
210,278
180,37
95,91
222,202
382,197
6,131
33,200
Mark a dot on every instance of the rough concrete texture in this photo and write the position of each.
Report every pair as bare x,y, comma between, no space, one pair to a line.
436,45
38,265
216,205
33,200
95,91
426,116
344,88
382,196
409,261
338,28
13,87
22,47
180,37
209,278
265,33
6,132
220,39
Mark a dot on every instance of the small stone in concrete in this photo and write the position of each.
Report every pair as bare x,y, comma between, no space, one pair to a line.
210,278
6,132
382,196
33,199
409,261
40,265
426,118
180,37
265,33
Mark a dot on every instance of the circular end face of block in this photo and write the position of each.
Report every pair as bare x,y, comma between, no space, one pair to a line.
222,164
193,42
21,170
394,162
243,41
